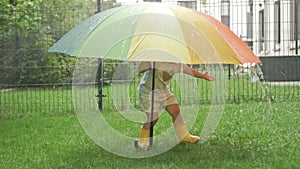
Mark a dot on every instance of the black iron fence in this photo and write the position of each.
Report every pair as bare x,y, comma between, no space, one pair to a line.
57,97
35,81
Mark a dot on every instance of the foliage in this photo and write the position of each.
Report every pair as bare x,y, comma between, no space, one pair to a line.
28,29
204,2
109,4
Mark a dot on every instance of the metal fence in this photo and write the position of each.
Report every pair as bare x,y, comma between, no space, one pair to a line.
22,91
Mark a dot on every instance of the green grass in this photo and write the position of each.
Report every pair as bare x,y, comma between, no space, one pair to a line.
250,135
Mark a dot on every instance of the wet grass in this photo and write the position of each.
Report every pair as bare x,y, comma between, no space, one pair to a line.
249,135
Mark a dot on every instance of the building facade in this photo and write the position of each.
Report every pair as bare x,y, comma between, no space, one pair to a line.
269,27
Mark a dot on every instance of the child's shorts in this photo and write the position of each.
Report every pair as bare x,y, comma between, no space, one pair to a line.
162,98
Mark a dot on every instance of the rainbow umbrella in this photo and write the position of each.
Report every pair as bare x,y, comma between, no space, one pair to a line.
155,32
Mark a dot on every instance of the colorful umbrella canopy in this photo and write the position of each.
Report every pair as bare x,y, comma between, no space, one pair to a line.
155,32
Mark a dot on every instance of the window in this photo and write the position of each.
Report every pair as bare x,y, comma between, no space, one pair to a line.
187,4
295,18
261,29
225,12
277,21
292,20
250,21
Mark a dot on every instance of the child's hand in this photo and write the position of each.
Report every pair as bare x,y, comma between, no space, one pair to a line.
207,77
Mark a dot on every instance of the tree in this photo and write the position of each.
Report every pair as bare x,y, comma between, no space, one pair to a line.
19,21
28,29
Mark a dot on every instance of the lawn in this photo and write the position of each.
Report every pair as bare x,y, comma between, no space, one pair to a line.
249,135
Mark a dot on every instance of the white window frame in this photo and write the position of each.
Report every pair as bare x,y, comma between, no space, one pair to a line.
188,4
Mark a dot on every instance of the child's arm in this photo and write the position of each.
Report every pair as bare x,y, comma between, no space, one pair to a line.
190,71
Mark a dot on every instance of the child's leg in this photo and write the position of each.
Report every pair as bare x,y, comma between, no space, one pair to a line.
180,126
143,141
174,111
147,123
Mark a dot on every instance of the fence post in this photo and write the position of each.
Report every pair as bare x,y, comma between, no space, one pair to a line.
100,70
98,6
99,81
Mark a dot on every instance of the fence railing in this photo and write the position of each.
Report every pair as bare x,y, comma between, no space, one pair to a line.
30,84
57,97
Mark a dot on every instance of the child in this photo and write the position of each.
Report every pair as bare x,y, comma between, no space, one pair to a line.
163,98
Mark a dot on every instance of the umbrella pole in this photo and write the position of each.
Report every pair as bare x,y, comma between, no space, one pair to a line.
152,107
151,114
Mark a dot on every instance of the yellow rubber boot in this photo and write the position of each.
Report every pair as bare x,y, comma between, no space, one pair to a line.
184,136
143,141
